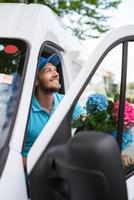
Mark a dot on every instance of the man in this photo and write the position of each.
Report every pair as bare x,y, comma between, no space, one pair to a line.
45,100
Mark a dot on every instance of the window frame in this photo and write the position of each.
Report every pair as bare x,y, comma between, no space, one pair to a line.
4,150
53,48
128,172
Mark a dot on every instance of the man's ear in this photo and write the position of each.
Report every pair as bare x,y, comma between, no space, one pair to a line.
36,82
37,79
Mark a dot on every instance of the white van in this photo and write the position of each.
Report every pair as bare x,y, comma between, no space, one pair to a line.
59,166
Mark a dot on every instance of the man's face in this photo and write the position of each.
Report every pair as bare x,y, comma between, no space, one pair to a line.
48,79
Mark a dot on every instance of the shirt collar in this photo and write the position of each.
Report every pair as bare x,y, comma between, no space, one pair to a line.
36,106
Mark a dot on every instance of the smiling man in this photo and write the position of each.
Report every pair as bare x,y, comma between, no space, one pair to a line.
45,100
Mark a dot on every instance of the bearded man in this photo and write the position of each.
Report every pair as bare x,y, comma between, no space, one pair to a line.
45,100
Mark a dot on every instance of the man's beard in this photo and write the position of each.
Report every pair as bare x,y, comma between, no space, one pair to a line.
49,89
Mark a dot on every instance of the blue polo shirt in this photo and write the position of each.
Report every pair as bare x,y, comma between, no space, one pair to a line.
39,117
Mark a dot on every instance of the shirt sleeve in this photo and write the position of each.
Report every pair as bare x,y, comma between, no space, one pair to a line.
78,110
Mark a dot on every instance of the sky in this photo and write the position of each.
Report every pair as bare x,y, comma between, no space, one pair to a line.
123,15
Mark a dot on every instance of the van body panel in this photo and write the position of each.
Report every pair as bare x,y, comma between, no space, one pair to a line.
12,182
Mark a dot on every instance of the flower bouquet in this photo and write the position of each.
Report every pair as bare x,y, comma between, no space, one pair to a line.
102,115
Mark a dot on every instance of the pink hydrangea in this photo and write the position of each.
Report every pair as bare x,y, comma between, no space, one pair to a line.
128,115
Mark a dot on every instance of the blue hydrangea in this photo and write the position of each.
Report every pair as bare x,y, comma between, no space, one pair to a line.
96,102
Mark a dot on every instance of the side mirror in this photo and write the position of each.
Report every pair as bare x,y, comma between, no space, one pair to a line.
87,167
97,155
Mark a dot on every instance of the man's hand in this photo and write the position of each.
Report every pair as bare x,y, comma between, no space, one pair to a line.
127,160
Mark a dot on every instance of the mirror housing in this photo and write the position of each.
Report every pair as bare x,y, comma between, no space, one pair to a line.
98,155
87,167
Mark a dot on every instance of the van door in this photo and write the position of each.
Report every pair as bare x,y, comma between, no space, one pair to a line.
107,72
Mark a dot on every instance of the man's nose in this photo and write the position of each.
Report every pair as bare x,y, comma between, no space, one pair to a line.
55,73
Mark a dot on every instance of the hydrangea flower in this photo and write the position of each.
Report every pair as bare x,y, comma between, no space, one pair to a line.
102,115
96,102
128,114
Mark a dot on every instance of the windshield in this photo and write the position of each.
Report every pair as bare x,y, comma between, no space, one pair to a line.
12,58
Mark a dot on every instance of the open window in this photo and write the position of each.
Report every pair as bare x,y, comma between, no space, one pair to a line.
108,100
48,48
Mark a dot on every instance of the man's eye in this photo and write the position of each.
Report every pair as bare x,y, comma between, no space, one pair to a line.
48,70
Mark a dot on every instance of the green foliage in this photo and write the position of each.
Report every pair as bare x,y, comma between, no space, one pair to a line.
116,97
88,17
99,121
8,1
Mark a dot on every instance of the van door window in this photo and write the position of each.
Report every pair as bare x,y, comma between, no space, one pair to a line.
101,100
49,84
12,59
128,135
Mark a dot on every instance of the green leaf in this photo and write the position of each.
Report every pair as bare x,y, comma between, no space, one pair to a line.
78,122
116,97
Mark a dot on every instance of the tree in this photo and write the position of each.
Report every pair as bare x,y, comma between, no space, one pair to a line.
87,18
